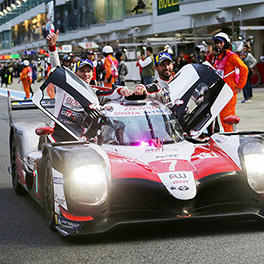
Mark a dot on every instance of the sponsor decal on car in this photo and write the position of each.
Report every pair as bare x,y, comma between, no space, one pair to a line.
152,150
138,111
167,156
205,155
58,180
180,184
67,223
59,195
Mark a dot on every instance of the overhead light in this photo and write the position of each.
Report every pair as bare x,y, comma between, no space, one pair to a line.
1,13
5,11
9,9
18,2
13,6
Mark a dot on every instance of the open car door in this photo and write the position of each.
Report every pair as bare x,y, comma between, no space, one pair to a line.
198,95
66,82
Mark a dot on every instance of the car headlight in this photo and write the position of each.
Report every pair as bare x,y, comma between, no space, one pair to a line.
253,154
88,184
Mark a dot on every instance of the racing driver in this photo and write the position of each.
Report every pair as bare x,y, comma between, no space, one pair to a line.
159,90
65,104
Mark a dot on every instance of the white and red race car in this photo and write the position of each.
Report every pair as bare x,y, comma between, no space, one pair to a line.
143,164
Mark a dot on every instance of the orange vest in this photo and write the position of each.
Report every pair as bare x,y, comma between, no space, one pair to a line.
111,73
232,69
26,74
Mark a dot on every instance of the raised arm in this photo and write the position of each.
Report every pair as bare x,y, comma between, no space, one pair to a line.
54,55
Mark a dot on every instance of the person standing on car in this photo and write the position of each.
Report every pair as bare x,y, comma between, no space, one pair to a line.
26,78
147,65
234,72
64,103
159,89
251,62
110,67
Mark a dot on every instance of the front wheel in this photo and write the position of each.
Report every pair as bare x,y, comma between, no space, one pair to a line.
49,197
19,190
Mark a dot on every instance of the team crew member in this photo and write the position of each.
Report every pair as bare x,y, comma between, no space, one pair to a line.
234,72
110,67
251,62
159,90
26,78
65,104
147,66
66,61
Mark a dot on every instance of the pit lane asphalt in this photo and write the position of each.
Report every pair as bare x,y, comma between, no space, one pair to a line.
26,239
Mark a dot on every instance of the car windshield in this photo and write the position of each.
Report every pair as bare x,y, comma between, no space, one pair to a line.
141,129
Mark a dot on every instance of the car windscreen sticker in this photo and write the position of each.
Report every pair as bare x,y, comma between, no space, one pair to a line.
59,196
180,184
137,111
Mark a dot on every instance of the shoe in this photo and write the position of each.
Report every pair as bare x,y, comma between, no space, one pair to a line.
245,101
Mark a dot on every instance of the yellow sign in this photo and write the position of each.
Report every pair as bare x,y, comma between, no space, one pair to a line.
167,6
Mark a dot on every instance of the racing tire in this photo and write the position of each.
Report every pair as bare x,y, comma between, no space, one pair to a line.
49,197
18,188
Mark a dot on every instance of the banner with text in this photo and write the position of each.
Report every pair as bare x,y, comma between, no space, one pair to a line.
167,6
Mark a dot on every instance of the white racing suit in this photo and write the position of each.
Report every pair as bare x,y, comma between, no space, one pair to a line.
70,112
159,90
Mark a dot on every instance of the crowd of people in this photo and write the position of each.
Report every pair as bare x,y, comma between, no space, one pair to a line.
108,69
27,71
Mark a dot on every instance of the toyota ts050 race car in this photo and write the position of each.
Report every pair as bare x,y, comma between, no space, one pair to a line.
143,162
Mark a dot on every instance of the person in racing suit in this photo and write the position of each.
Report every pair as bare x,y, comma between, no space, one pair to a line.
159,90
65,104
234,72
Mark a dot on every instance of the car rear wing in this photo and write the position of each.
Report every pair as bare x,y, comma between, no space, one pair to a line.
14,105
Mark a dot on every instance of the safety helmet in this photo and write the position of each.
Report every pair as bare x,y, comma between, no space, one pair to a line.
222,36
26,62
66,58
107,49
